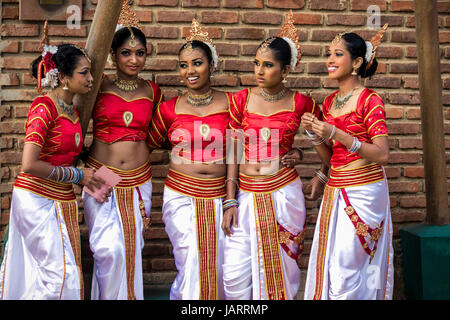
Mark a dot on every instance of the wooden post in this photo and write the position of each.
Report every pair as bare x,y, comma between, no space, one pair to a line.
432,111
98,44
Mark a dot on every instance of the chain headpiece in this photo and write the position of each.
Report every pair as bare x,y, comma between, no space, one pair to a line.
128,19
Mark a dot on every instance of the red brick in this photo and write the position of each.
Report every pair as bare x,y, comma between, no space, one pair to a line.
389,52
414,172
167,3
410,143
413,113
410,83
403,186
404,68
383,82
394,112
225,80
248,4
19,30
227,49
403,157
345,20
402,128
324,35
404,98
17,62
66,32
168,47
245,33
308,18
10,13
161,32
327,5
403,36
402,6
286,4
175,16
362,5
261,18
219,17
161,64
413,201
200,3
238,65
10,47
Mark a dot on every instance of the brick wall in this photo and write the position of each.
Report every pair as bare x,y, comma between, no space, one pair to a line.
237,26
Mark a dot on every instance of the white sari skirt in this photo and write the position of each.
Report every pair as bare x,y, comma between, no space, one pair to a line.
42,258
260,257
116,235
352,256
192,214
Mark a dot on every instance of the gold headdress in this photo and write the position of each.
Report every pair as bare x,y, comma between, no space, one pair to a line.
289,33
198,33
375,41
128,19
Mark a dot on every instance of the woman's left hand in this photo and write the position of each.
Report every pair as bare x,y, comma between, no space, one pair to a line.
292,158
316,189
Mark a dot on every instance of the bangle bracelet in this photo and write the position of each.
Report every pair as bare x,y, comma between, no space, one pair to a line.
356,145
333,132
234,180
322,177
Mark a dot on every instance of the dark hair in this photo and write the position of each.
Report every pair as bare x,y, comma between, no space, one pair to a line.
66,60
196,44
280,49
123,34
357,48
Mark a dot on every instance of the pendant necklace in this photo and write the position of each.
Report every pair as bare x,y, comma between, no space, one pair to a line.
339,102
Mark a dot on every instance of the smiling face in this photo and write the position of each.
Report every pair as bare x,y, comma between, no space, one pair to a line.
81,79
268,71
339,61
129,60
194,69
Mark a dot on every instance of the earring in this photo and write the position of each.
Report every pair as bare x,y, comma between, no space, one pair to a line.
354,73
65,88
284,80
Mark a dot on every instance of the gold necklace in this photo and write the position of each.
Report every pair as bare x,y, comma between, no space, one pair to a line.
339,102
126,85
273,97
199,100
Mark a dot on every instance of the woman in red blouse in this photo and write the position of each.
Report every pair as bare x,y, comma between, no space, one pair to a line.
351,256
121,119
265,232
42,257
195,123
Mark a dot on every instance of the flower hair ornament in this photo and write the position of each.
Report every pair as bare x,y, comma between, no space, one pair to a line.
47,64
197,33
289,34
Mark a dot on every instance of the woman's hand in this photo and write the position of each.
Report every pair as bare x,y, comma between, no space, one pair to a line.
92,182
292,158
230,217
322,128
306,122
316,189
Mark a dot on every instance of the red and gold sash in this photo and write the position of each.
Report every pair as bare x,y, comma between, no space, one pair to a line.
46,188
270,235
125,198
355,177
204,191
